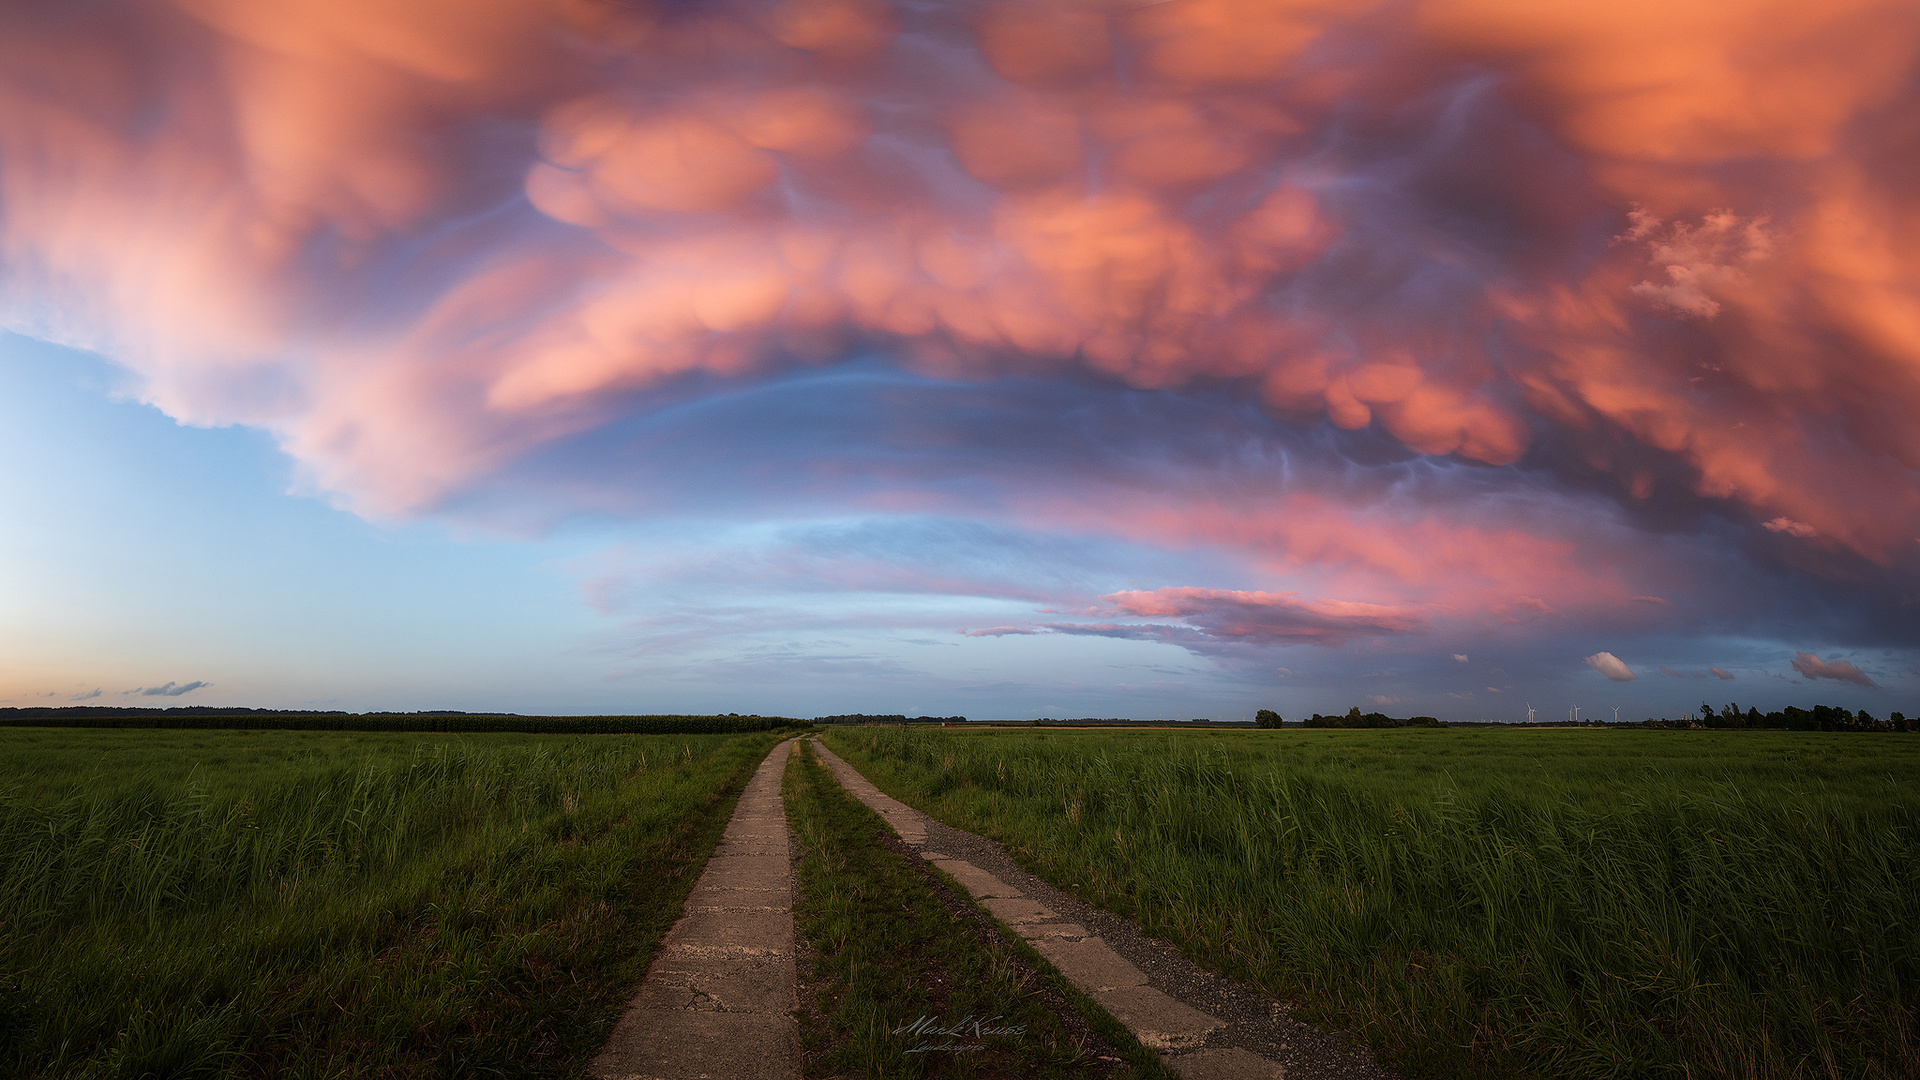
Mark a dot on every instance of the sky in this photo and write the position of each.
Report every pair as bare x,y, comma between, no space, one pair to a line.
1053,358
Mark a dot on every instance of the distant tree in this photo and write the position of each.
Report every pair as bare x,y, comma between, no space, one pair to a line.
1354,719
1267,718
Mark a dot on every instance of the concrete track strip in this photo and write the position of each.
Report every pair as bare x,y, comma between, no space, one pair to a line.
1235,1033
718,1000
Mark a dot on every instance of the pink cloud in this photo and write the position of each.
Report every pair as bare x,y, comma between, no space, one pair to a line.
1269,617
422,243
1839,670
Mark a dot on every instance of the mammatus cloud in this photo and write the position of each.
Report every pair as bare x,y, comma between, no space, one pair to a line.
1841,670
169,689
1611,666
457,256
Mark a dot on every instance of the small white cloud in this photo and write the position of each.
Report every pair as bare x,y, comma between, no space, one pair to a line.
1611,666
1460,658
1789,526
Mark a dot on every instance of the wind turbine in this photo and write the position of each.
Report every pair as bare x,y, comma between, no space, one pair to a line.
1616,714
1529,712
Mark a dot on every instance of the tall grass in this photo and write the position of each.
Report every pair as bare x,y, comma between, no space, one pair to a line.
392,905
1753,916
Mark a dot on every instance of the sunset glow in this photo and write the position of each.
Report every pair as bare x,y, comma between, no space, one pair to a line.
1036,358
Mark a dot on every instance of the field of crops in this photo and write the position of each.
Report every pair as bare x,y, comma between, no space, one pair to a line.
1501,903
323,904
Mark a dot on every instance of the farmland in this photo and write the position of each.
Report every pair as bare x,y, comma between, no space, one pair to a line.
223,903
1500,903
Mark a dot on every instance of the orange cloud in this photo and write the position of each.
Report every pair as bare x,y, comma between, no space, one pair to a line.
1669,250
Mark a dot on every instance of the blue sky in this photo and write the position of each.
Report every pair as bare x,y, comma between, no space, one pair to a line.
141,553
145,553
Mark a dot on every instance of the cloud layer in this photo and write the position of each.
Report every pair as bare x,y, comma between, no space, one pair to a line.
1427,312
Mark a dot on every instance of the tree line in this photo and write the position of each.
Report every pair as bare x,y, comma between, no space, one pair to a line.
1353,718
1793,718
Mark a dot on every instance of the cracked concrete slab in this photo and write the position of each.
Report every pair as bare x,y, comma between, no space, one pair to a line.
1016,911
1158,1021
681,1044
732,987
1090,964
1043,931
975,880
750,930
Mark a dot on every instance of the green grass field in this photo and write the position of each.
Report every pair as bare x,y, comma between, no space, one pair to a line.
1500,903
210,903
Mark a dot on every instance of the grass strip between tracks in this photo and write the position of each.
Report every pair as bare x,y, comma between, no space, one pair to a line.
898,965
241,904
